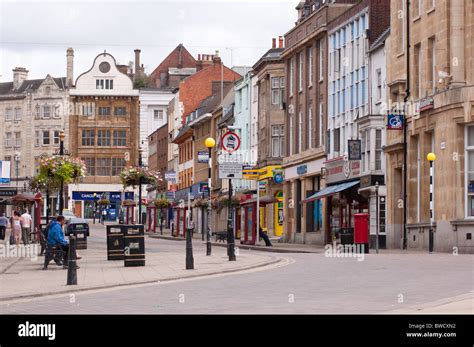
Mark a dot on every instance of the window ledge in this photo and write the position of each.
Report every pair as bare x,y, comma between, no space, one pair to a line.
401,54
321,80
431,10
467,221
378,102
416,19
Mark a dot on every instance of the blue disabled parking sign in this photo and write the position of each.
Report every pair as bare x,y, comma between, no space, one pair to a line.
395,121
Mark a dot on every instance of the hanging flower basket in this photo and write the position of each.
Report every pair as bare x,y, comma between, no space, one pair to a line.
57,168
134,176
161,203
201,203
103,202
224,202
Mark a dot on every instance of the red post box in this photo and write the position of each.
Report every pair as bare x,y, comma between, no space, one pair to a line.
361,230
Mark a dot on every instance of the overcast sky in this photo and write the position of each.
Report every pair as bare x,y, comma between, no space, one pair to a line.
36,34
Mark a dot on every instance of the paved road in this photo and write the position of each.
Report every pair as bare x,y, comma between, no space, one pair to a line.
312,283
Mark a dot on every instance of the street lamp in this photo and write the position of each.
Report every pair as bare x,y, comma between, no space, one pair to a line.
94,211
61,153
209,143
431,158
17,167
377,217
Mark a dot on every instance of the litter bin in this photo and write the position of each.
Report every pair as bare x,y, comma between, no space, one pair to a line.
134,245
347,236
361,235
80,231
115,242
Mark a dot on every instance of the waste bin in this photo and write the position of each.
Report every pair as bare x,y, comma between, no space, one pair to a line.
80,231
361,233
347,236
115,242
134,245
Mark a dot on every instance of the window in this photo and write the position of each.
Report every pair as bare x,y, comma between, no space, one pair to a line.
470,171
337,140
103,166
17,113
46,140
416,8
321,63
88,109
310,126
104,111
310,66
120,111
378,149
363,148
277,140
120,137
417,73
46,111
17,139
158,115
8,139
118,164
432,63
37,138
90,165
379,84
321,125
88,137
103,137
56,137
300,71
275,90
300,132
8,114
104,84
292,74
328,141
290,152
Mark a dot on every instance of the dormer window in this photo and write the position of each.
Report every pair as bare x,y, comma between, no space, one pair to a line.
104,84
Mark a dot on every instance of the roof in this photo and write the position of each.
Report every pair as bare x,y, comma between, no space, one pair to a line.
272,55
380,40
6,88
184,131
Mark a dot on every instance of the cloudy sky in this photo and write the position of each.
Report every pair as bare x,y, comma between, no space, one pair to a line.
36,34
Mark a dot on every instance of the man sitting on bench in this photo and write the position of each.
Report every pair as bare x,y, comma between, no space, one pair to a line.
56,238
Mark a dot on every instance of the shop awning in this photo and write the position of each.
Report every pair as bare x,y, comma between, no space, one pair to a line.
330,191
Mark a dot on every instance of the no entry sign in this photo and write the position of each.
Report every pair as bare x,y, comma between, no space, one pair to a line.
230,142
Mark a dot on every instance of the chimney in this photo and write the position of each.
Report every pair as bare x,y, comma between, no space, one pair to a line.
137,64
274,42
20,74
280,42
70,67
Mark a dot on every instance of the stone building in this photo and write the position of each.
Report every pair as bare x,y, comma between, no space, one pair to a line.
438,103
32,115
104,132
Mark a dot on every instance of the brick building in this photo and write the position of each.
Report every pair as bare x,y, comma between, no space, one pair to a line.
158,155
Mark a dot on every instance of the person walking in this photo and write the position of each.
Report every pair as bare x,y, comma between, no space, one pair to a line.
25,227
3,226
16,227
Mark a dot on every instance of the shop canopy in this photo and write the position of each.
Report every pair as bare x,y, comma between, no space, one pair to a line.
330,191
264,200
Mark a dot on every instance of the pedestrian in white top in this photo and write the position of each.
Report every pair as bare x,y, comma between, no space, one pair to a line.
25,226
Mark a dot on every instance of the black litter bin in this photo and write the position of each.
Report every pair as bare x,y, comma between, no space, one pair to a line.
134,245
347,236
115,242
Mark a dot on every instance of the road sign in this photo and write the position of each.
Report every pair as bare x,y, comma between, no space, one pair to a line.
230,170
251,174
230,142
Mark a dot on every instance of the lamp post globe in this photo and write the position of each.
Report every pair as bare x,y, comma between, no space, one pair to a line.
209,142
431,157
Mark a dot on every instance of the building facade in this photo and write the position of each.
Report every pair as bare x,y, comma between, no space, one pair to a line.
158,157
439,118
104,132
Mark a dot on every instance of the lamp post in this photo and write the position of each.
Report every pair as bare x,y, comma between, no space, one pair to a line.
94,208
431,158
377,217
140,150
17,167
209,143
61,153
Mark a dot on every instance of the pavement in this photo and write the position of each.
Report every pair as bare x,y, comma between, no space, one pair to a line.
23,277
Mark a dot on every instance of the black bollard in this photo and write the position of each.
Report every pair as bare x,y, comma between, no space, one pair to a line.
189,250
71,266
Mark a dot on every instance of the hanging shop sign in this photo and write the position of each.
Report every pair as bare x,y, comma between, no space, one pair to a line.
395,121
354,149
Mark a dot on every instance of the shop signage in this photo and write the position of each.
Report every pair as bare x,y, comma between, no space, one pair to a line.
203,157
170,176
8,192
424,104
370,180
355,152
341,169
302,169
203,187
112,196
173,188
4,172
395,121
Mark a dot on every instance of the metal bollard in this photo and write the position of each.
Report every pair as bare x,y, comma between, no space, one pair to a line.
189,250
71,266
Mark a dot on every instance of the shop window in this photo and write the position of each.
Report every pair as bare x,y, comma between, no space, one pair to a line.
470,171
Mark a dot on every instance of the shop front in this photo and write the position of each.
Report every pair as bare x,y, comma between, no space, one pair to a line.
271,185
86,203
342,198
249,217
